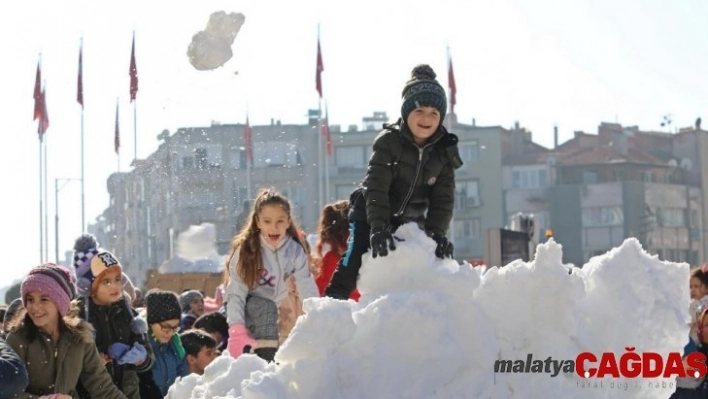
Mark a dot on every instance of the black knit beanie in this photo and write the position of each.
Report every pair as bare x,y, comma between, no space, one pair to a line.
423,90
161,306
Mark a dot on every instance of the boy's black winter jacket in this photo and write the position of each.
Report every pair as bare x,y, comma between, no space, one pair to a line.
403,181
112,324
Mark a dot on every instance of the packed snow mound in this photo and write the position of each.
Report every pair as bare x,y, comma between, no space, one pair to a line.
195,251
431,328
211,48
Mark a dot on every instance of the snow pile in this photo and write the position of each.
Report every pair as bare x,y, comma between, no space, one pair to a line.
196,252
427,328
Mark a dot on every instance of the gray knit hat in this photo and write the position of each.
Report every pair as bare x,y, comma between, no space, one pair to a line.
186,298
423,90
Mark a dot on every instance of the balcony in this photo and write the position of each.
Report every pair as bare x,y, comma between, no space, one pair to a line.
539,195
463,202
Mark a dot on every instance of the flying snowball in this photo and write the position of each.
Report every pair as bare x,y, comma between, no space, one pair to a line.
211,48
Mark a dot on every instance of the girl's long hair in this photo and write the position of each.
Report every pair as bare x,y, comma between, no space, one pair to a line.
248,243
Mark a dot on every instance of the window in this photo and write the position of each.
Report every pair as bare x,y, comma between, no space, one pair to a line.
469,150
620,175
589,177
350,156
200,154
275,153
467,194
602,216
352,159
648,176
671,217
235,158
187,162
467,229
529,178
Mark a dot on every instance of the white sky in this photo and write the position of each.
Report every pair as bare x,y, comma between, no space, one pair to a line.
540,62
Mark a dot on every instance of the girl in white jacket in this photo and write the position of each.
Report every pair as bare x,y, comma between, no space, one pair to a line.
266,252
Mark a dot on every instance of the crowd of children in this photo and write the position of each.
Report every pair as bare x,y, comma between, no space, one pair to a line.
90,333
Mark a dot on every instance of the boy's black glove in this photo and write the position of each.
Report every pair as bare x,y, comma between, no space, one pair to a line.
381,241
444,248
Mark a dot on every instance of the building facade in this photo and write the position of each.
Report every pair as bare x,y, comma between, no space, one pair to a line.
594,191
203,175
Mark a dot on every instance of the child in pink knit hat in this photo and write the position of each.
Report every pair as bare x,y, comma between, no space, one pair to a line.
56,346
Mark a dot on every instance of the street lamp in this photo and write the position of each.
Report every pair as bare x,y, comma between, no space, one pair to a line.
65,181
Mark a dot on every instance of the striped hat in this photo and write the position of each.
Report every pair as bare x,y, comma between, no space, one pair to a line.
91,262
54,281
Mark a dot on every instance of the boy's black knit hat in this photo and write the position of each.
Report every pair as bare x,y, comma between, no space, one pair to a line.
423,90
161,306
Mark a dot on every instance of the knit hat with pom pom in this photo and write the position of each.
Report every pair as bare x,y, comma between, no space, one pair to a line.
91,263
423,90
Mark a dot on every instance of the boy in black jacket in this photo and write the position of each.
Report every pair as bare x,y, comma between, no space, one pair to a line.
120,334
410,178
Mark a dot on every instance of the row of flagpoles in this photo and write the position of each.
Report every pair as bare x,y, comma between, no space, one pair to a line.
41,114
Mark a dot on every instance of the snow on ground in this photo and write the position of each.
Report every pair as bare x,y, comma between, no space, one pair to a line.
429,328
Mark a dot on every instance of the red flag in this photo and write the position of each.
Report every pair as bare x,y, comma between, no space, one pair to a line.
44,118
38,93
116,138
133,73
326,135
453,87
320,68
248,138
80,84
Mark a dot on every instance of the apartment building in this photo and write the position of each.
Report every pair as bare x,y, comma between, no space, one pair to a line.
595,190
202,174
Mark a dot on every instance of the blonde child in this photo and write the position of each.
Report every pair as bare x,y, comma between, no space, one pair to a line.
266,252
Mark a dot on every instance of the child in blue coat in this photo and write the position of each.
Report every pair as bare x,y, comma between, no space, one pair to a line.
163,318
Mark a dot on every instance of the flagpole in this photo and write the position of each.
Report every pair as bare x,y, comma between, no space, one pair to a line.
83,184
116,137
41,197
133,72
40,113
320,169
327,158
451,233
46,211
135,128
249,159
248,179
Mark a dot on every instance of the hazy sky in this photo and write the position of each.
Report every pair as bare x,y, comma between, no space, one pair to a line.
541,62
